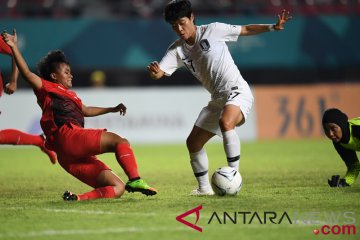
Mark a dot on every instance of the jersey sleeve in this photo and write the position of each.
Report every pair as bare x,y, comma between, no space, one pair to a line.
347,155
356,131
225,32
4,48
171,61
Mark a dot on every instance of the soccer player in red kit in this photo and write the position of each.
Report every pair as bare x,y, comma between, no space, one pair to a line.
14,136
63,124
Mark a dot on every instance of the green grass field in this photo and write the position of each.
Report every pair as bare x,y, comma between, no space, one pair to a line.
278,176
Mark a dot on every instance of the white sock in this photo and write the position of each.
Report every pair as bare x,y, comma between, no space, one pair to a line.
232,148
200,165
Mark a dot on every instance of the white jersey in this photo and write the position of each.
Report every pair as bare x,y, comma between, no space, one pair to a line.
208,59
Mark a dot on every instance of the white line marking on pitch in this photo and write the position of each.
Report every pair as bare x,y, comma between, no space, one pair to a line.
88,232
78,211
90,212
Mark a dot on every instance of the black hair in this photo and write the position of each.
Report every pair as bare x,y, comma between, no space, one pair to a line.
177,9
334,115
50,63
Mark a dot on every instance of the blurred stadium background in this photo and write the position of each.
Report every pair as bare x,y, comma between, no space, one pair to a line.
295,74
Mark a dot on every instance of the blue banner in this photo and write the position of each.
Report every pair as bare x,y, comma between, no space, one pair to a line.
307,42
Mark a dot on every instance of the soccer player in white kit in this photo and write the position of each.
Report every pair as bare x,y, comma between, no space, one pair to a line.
203,51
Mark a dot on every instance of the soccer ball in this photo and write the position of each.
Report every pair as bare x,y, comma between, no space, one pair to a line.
226,181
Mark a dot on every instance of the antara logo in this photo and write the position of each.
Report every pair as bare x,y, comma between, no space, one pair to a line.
196,210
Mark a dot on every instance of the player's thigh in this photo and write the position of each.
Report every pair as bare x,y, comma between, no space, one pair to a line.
73,142
208,118
237,107
85,169
109,141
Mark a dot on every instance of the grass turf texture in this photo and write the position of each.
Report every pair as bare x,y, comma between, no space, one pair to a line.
278,176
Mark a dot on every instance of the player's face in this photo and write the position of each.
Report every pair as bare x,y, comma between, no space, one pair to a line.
63,75
185,28
333,132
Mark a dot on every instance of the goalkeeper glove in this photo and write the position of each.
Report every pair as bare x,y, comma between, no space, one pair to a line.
336,181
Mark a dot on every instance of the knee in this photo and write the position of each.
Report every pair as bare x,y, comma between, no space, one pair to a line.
193,145
226,124
115,142
121,140
119,190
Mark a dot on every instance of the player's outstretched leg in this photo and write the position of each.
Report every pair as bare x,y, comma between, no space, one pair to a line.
111,142
16,137
106,183
103,192
51,154
125,157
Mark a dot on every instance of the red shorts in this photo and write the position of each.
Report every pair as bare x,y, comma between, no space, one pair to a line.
76,148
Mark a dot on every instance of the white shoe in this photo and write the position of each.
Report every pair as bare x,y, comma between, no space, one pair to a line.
198,192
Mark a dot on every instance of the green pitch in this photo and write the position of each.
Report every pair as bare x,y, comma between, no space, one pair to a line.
285,178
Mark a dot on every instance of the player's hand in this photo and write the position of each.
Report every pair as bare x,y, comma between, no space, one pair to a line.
10,88
155,70
282,19
336,181
8,39
154,67
343,183
120,108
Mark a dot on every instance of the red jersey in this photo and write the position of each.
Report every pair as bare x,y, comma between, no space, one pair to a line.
4,48
59,106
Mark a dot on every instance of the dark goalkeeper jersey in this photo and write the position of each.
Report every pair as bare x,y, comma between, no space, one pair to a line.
347,151
59,106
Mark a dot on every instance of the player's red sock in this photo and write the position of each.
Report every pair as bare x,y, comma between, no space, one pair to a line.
16,137
126,159
103,192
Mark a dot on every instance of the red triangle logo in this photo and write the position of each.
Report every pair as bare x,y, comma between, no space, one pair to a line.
196,210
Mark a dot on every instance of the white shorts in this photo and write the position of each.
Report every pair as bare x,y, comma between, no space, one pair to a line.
209,116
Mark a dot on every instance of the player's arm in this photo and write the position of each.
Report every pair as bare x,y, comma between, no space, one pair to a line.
155,71
347,155
351,162
30,77
11,86
96,111
254,29
356,131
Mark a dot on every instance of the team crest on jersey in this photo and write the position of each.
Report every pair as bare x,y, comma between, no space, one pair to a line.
204,45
